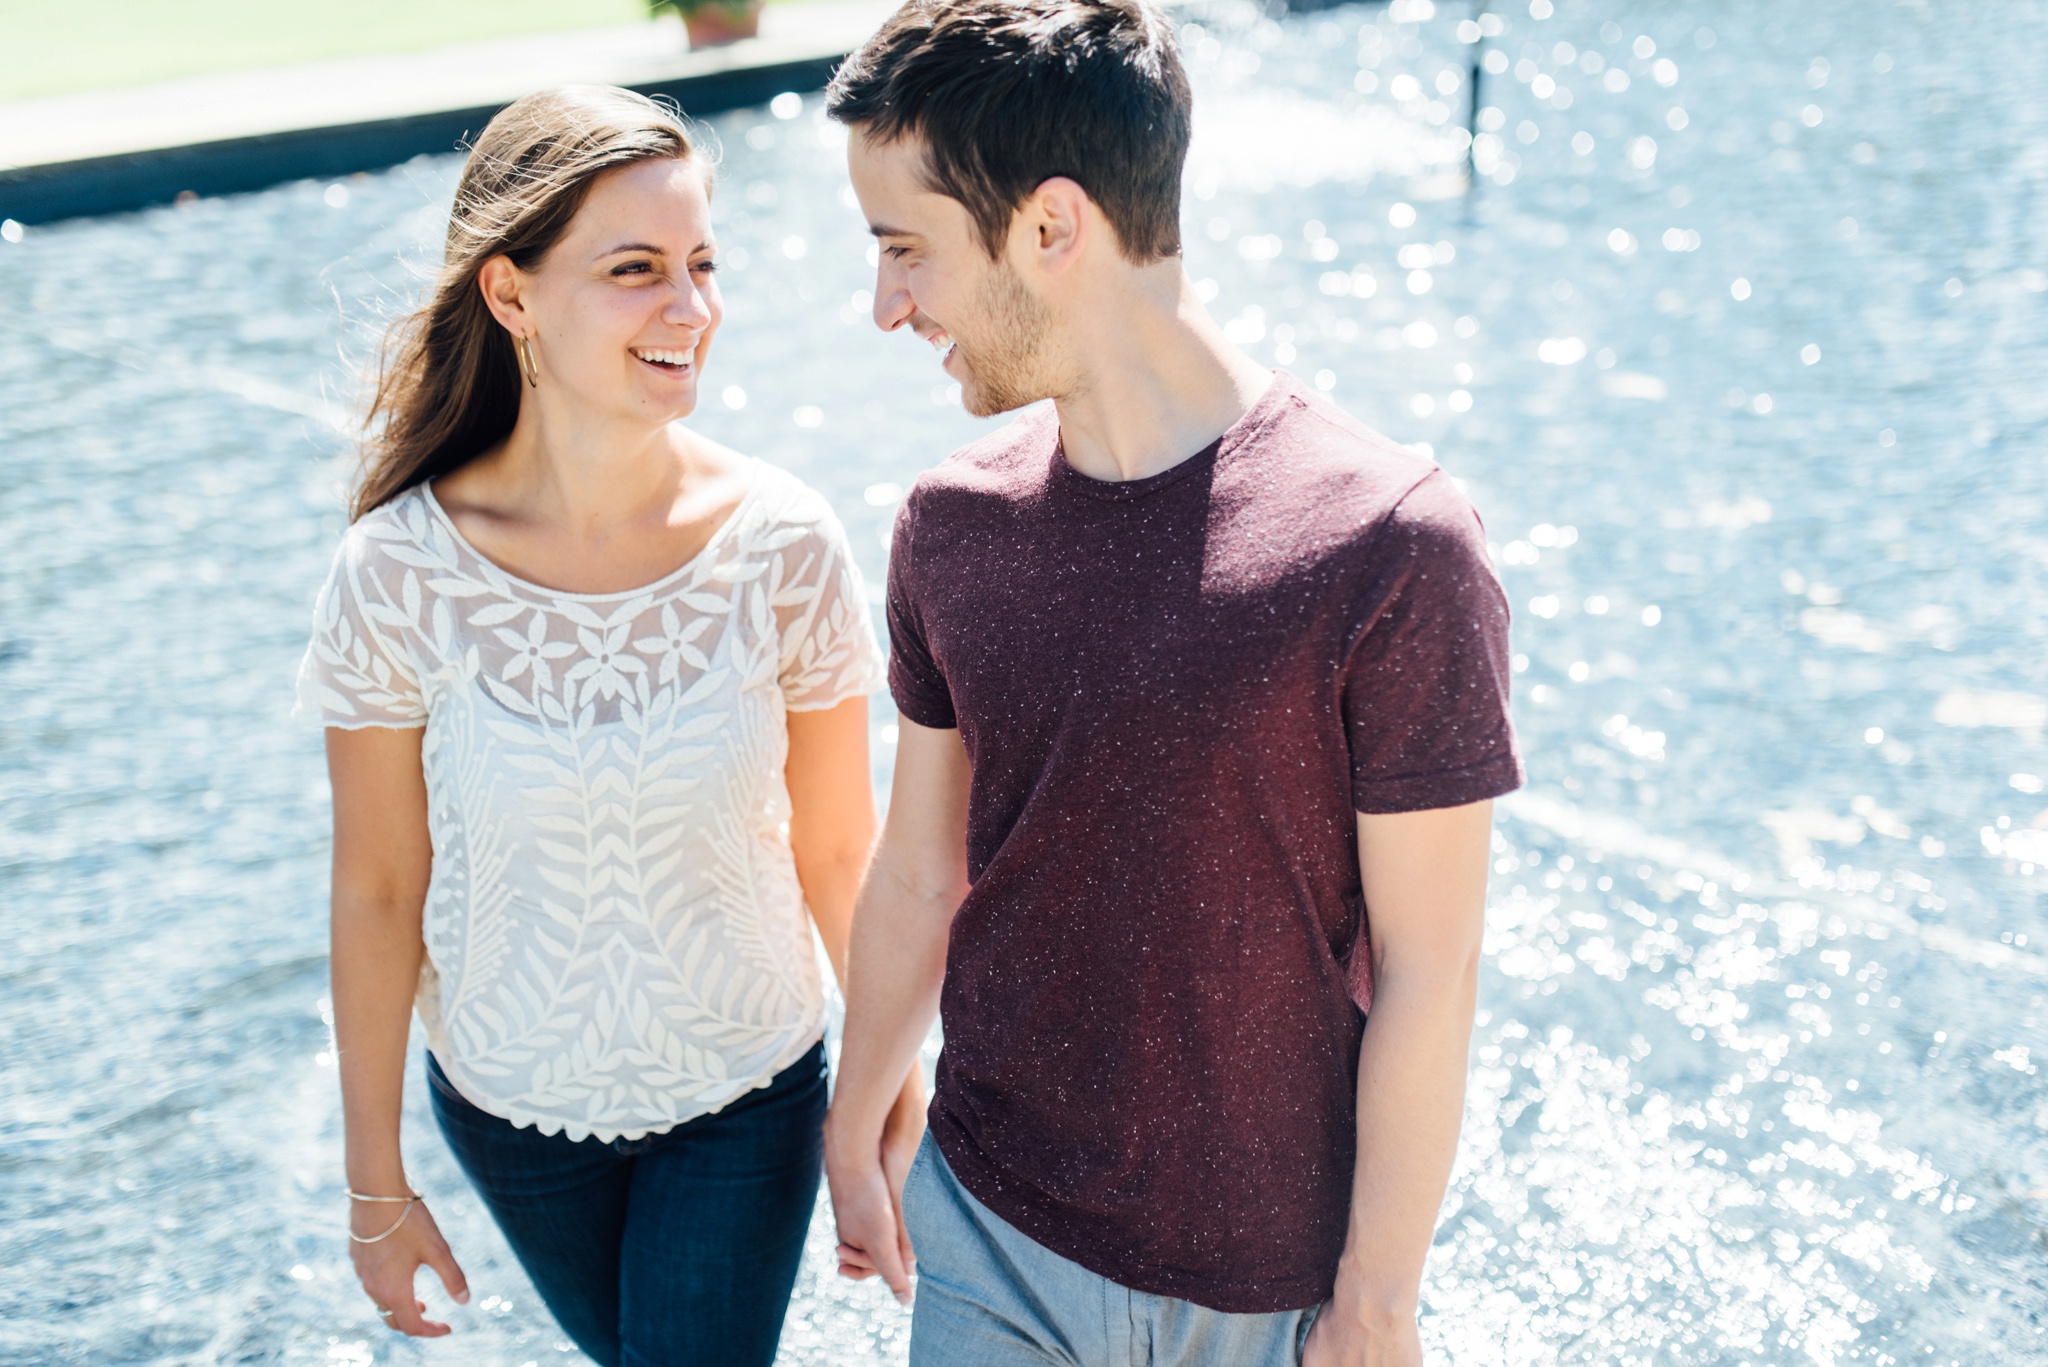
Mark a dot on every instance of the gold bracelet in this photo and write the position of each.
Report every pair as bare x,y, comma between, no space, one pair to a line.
409,1196
380,1238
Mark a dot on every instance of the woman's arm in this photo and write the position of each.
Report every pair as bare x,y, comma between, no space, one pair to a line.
831,816
832,835
382,859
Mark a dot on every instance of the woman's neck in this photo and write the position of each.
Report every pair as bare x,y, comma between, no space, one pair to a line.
586,508
584,475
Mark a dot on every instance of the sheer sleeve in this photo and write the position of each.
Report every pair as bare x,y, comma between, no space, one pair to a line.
357,671
829,649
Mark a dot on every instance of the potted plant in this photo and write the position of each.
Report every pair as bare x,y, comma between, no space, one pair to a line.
712,22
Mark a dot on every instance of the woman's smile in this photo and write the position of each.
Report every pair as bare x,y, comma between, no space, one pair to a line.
668,361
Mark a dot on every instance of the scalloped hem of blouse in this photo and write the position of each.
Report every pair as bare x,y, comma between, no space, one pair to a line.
576,1132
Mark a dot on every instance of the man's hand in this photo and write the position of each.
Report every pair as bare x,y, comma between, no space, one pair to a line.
896,967
1346,1336
902,1132
868,1206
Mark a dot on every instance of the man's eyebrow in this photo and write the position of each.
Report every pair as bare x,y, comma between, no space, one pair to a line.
884,230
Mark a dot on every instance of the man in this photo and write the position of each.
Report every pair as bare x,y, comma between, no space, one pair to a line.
1197,676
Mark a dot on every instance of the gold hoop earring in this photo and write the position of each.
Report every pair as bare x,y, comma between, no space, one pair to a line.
522,347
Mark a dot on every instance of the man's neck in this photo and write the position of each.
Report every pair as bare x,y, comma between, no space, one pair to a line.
1155,380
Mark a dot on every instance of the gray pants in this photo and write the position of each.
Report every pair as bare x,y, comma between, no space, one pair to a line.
987,1296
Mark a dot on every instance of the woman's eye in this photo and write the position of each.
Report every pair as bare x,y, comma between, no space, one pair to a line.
705,267
632,268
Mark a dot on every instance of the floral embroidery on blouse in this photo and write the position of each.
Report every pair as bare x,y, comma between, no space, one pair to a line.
616,939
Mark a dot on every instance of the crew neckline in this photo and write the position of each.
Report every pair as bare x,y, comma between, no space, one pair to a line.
1279,388
754,482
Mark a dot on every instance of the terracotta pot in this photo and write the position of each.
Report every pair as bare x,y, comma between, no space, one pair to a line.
716,23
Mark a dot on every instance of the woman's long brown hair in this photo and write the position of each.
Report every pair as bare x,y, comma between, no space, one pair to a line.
448,382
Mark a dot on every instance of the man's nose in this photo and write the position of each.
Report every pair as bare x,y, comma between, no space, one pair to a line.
893,305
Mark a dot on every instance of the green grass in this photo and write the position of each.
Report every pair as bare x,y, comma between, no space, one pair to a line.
52,47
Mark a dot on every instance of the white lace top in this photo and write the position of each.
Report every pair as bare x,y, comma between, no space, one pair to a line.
616,940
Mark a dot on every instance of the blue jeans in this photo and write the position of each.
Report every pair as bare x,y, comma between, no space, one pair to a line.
988,1296
675,1250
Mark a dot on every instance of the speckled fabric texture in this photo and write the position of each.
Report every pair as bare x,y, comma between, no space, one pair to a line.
1175,693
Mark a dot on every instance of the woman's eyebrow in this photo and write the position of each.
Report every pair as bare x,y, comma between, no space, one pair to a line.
704,246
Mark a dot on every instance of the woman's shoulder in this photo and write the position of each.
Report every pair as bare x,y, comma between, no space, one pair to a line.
405,521
782,505
399,551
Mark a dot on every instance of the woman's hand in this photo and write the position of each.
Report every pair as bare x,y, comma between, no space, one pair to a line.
383,860
902,1132
386,1267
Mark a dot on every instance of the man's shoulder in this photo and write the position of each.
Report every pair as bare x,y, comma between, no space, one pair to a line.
1315,464
1328,442
1007,464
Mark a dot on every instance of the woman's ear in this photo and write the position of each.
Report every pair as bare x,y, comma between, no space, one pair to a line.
504,289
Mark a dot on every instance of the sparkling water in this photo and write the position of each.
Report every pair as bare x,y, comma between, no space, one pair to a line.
1738,345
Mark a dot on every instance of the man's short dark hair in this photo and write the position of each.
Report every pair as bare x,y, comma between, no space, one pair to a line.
1006,94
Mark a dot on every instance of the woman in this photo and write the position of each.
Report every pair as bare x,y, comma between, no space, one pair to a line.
594,689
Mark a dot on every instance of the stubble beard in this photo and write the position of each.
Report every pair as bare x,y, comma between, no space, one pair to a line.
1006,364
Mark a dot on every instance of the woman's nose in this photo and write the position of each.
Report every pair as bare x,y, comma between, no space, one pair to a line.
689,308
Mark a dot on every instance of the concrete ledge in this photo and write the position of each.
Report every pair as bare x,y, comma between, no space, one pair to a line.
136,180
81,155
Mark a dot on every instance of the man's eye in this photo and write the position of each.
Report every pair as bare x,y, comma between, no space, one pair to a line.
896,253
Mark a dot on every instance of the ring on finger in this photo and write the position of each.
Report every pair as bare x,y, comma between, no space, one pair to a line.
387,1314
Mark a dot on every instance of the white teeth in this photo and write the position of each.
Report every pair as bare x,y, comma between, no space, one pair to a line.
663,357
940,342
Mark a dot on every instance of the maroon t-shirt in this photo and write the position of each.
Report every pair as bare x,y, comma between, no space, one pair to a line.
1175,692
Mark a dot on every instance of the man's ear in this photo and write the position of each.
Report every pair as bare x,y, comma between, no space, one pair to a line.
1059,217
503,286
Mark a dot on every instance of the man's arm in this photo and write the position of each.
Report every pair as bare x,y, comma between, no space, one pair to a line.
832,836
1425,884
895,969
